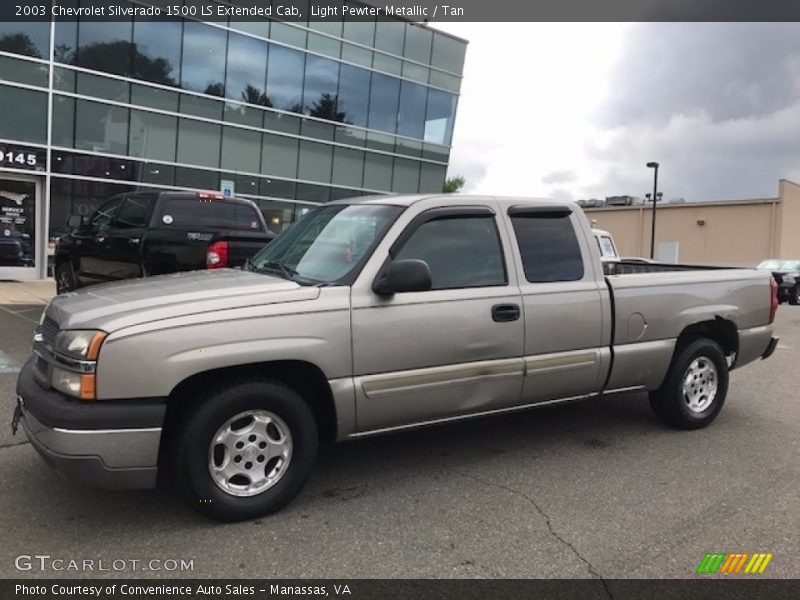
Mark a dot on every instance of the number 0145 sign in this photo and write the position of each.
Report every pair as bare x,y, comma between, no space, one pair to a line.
28,159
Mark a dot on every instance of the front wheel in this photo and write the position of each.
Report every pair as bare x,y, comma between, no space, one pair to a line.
794,298
695,387
245,450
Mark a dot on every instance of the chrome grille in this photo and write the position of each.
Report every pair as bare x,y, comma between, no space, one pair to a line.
49,331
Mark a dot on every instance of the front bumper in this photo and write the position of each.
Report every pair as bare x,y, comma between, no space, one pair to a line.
109,444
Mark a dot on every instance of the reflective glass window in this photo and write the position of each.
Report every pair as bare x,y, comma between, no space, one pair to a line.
389,36
348,166
29,110
247,70
153,97
431,179
157,51
203,64
315,162
439,117
101,127
383,100
411,114
362,32
448,53
28,38
405,179
198,143
241,150
354,95
321,83
153,136
66,37
63,121
378,172
418,43
106,45
285,78
279,156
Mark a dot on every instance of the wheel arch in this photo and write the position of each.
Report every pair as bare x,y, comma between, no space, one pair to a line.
304,377
720,330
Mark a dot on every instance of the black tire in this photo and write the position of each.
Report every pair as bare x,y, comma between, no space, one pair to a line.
794,298
198,426
65,278
669,402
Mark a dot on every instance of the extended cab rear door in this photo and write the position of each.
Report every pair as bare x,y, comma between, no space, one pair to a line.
565,301
453,350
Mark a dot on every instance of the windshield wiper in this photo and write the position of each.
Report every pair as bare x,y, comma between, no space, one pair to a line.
277,265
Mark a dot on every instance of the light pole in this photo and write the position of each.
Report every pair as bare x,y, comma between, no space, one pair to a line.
653,165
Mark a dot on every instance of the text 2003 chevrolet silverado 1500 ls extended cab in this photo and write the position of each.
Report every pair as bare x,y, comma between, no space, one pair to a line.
371,315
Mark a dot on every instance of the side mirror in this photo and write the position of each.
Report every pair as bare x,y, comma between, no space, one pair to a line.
409,275
75,222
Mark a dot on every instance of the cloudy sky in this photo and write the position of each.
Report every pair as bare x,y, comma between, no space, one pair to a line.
575,110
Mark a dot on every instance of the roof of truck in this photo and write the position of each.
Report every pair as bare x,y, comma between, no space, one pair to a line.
408,200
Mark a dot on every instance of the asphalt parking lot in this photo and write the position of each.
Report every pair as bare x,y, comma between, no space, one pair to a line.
592,489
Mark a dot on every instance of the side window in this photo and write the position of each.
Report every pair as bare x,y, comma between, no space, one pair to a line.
462,252
105,214
135,213
549,248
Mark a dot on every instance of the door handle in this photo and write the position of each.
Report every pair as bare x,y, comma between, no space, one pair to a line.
133,241
504,313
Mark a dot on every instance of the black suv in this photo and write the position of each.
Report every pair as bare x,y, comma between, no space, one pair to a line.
152,233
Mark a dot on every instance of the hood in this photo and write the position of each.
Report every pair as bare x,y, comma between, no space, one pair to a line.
112,306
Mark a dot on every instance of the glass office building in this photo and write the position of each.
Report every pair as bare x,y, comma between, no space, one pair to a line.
289,114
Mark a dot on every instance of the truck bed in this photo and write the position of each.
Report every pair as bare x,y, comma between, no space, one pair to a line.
630,267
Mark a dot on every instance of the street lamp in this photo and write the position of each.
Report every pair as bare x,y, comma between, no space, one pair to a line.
653,165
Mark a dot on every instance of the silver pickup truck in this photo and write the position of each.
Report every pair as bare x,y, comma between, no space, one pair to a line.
369,316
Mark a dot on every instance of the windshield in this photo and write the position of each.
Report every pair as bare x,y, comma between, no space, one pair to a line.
327,244
780,265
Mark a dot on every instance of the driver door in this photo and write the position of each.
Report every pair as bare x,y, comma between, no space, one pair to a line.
452,350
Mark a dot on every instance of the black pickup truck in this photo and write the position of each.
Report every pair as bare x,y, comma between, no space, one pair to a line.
139,234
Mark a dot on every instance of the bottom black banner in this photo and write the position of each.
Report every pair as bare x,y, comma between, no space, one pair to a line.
422,589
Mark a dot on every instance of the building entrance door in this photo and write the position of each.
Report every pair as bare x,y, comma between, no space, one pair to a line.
20,227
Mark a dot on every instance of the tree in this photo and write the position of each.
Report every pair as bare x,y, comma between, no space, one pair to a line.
453,184
325,108
19,43
253,95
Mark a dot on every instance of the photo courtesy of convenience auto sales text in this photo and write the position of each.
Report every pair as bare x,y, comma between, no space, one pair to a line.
369,316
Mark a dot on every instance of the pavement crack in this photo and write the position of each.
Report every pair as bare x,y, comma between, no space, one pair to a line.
547,521
13,444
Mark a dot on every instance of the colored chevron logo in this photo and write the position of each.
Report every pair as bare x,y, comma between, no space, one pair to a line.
736,562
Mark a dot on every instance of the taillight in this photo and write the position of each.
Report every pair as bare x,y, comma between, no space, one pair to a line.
217,255
773,298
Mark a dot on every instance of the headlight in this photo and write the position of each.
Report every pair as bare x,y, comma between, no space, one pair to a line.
80,344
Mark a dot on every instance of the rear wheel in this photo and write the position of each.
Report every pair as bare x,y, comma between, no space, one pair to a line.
695,387
794,297
65,278
245,450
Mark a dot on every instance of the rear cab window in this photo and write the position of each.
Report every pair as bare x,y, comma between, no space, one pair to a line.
548,245
189,212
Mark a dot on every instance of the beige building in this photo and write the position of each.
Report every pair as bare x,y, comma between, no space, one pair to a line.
736,232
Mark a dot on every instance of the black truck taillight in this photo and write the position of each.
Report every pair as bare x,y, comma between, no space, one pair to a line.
217,255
